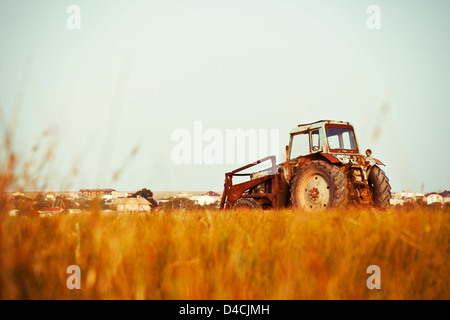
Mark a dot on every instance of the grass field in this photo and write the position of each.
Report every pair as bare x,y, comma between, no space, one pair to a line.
228,255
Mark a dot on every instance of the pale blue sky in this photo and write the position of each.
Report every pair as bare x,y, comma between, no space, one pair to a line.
138,70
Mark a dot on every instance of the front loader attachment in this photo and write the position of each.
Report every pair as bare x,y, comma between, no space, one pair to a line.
263,189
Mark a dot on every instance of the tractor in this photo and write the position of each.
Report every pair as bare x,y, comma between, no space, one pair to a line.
323,169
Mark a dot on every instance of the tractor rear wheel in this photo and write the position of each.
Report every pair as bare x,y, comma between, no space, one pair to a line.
318,185
246,203
381,189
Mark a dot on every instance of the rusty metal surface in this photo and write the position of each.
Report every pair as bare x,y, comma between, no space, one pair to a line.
331,158
233,192
271,187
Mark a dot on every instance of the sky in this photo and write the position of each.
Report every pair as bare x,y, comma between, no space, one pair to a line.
97,107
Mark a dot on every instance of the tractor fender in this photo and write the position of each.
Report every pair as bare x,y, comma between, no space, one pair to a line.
330,158
378,162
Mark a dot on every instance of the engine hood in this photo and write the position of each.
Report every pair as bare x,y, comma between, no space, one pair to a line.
352,159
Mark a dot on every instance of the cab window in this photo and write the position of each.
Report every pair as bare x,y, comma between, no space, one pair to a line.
315,141
341,138
300,145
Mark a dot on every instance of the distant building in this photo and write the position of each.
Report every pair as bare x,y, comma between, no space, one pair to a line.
74,211
163,200
404,197
433,197
183,195
204,200
118,194
50,196
396,201
212,194
133,205
70,195
96,193
109,198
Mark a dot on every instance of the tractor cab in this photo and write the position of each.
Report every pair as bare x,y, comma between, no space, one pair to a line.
323,136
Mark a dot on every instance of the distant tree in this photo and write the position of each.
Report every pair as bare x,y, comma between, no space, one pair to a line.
40,202
214,205
85,204
446,207
25,206
62,202
146,194
105,205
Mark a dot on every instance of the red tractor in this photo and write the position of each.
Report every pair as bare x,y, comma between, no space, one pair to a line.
323,169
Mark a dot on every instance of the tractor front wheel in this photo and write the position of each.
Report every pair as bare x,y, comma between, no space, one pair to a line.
318,185
246,204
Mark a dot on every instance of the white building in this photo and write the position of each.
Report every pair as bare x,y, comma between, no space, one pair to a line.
434,198
133,205
118,194
204,199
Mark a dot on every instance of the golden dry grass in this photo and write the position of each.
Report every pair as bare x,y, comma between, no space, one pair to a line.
227,255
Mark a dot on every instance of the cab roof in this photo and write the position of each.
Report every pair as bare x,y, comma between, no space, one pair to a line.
316,125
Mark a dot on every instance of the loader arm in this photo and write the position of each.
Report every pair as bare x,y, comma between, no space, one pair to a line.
233,192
